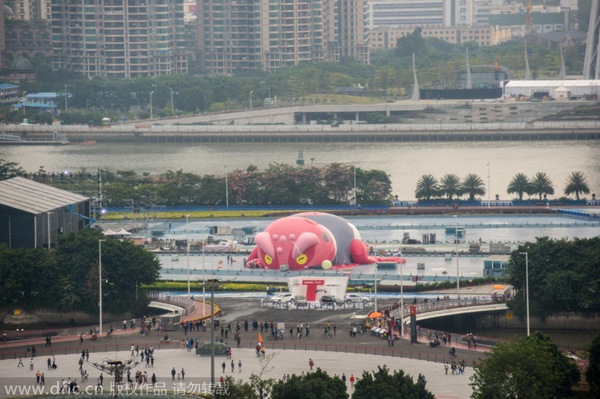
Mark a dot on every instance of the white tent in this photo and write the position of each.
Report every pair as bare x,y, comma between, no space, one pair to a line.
109,232
562,93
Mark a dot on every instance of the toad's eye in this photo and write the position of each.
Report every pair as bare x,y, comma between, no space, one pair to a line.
268,259
302,259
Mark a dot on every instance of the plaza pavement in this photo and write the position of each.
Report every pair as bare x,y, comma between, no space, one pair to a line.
294,360
197,369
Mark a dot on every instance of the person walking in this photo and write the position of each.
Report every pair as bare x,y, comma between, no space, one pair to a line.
240,365
311,363
20,364
173,372
182,374
232,366
224,365
352,381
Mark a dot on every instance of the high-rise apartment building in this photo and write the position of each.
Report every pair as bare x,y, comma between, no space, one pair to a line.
351,28
27,10
238,35
119,38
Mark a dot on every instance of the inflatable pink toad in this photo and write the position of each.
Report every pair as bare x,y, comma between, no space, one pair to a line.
310,240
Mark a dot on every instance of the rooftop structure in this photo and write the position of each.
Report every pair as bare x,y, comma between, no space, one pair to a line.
34,214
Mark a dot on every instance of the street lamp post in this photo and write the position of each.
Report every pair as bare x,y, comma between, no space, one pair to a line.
457,267
355,193
375,272
203,280
66,98
401,299
526,288
100,281
151,111
187,244
251,92
212,283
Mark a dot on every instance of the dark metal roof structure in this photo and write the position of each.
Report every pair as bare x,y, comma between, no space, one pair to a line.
33,197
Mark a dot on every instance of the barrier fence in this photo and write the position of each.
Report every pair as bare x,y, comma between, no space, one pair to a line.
270,345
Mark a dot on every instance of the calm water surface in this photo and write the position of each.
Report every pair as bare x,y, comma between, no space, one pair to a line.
404,162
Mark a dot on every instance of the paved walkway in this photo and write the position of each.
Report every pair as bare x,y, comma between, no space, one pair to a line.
341,354
197,369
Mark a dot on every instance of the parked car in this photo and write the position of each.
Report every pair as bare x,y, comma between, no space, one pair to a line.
283,298
330,299
356,298
301,300
205,348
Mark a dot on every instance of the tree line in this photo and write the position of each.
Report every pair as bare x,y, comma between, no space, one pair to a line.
451,186
66,278
278,184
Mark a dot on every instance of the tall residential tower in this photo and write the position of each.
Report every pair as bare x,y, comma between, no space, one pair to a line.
119,38
238,35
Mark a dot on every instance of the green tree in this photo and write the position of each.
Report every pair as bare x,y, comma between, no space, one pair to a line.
530,367
383,385
576,184
427,187
317,385
450,186
562,277
472,185
592,374
541,185
8,170
373,186
27,276
125,266
519,185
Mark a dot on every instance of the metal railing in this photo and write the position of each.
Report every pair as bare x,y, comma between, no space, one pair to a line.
269,345
187,304
442,304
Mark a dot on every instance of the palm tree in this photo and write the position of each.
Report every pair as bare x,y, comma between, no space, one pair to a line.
473,185
520,184
450,186
577,183
427,187
541,184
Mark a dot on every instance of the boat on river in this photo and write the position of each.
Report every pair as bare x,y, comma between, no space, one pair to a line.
12,139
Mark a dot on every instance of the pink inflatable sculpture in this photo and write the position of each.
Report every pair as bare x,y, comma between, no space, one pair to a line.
311,240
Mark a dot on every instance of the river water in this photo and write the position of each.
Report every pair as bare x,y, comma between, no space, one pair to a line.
404,162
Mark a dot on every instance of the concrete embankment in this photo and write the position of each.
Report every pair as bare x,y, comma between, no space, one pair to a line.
158,133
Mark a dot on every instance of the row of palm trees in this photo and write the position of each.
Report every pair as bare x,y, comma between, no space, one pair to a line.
451,186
